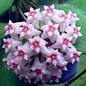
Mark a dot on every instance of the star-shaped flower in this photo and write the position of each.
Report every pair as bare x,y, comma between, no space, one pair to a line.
72,54
59,17
7,44
10,44
33,14
7,60
62,42
75,56
27,30
22,53
15,65
72,16
37,44
55,75
10,28
48,11
54,57
39,69
50,31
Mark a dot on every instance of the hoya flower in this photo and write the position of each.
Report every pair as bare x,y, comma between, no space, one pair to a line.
59,17
7,60
64,26
10,28
15,65
22,53
73,55
7,44
39,69
37,44
48,11
50,31
10,44
75,31
72,16
54,57
34,16
28,31
63,41
54,74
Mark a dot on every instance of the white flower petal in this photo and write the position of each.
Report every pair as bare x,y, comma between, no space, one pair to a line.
54,62
50,33
48,60
37,50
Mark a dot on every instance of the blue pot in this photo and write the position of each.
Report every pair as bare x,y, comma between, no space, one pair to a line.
68,75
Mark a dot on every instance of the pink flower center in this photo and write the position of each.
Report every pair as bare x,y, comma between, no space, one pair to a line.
53,57
75,55
9,27
25,29
49,10
38,71
15,65
36,44
65,41
21,53
63,16
32,13
76,30
6,44
51,28
53,78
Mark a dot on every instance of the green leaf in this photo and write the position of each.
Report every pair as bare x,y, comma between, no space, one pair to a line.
81,4
4,5
2,30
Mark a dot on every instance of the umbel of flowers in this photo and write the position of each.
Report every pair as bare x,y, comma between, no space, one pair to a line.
39,49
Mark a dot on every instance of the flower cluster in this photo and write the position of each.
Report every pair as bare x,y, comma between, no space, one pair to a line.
40,48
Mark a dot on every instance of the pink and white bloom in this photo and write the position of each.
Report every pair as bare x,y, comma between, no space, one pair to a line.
10,44
72,16
10,28
37,44
7,60
34,16
54,57
39,69
22,53
50,31
7,44
74,31
73,55
48,11
59,17
63,42
15,65
27,30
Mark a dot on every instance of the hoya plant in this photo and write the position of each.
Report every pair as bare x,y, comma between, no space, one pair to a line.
40,48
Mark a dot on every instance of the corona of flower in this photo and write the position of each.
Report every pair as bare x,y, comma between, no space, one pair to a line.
39,49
